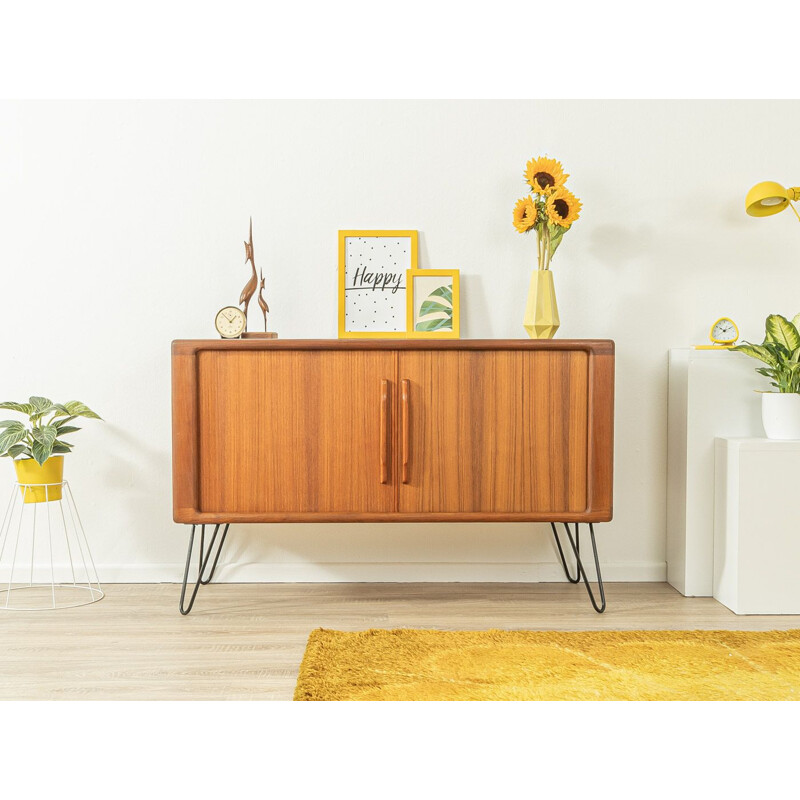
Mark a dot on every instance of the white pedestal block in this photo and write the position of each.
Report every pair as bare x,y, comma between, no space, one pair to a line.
757,526
710,394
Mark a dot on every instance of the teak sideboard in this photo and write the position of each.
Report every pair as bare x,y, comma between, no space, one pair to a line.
392,430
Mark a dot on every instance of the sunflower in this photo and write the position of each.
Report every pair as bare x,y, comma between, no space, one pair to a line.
563,208
545,175
525,214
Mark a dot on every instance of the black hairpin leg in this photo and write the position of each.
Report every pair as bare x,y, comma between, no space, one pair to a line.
204,556
581,570
577,577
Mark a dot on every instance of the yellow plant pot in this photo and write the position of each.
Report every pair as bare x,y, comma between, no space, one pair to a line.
51,472
541,312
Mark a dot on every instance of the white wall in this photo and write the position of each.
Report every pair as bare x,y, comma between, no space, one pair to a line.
121,228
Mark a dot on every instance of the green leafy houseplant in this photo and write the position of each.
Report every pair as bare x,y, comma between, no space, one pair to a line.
780,351
40,438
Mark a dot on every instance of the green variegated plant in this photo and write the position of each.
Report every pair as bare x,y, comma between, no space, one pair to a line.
47,422
439,304
780,351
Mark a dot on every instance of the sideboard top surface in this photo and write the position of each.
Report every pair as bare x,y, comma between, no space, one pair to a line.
595,346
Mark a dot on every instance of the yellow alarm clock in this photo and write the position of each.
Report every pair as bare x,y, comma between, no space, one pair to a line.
723,334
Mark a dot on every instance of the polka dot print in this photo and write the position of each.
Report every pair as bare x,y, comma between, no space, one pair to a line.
375,283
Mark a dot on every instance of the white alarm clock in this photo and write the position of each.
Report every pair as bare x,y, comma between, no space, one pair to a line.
230,322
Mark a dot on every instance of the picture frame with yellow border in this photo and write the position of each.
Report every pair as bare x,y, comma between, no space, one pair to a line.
433,309
373,267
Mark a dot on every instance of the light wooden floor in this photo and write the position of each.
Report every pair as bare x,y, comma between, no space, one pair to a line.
245,641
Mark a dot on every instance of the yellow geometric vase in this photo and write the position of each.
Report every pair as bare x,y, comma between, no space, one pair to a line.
541,312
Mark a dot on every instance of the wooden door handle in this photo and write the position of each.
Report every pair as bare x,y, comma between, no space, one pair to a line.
384,443
404,412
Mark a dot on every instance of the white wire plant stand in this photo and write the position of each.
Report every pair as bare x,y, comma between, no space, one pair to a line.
45,561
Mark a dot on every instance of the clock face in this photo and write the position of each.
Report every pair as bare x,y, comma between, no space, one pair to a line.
724,330
230,322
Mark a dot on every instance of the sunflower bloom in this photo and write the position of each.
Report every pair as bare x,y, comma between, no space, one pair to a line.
562,207
545,175
525,214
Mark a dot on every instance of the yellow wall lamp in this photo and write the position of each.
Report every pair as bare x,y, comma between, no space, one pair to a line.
767,198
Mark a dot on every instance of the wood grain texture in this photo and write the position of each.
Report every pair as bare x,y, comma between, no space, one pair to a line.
185,460
193,346
292,430
246,641
601,441
500,431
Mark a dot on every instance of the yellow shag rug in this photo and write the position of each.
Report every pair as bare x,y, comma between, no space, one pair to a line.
550,665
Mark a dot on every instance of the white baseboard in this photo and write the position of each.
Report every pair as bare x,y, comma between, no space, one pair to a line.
375,572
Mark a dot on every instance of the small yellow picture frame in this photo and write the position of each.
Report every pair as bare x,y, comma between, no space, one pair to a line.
433,304
373,268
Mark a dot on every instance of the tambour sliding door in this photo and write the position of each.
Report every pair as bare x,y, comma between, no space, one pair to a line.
493,431
300,431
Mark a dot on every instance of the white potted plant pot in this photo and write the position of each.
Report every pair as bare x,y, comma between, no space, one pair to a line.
780,413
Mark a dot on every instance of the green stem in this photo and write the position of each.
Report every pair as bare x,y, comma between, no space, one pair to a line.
538,247
546,246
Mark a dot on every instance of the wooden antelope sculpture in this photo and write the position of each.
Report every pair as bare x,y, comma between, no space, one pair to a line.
262,303
250,287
